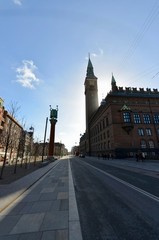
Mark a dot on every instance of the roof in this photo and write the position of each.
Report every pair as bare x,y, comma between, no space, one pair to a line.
90,72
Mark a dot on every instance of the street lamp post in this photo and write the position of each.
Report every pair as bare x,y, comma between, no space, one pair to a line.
53,121
31,134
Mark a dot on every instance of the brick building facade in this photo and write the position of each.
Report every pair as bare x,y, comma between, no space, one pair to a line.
1,115
126,123
13,139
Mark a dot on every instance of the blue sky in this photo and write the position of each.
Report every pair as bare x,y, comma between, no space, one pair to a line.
44,48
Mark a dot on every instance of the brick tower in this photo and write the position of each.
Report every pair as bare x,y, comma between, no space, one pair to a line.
91,98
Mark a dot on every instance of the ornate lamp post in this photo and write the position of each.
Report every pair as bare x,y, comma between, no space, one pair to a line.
53,121
31,134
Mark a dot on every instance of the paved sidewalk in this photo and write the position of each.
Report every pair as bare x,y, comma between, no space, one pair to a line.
46,208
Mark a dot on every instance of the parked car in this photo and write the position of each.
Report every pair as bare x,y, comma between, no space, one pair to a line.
81,155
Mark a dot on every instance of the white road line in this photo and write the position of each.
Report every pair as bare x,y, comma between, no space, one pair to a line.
127,184
74,221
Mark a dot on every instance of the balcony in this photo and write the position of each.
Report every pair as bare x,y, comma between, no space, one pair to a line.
128,127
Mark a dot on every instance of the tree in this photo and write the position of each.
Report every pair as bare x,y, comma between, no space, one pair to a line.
9,135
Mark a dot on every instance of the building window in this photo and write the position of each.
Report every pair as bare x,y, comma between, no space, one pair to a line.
104,123
100,126
101,146
156,118
151,144
137,118
104,135
140,131
96,129
126,117
107,122
148,131
146,118
143,144
108,134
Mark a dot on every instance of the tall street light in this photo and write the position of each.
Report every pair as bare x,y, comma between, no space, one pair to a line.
53,121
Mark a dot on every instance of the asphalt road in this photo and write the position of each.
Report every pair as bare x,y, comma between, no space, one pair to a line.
115,203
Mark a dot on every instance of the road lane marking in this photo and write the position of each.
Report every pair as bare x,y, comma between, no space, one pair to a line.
127,184
74,221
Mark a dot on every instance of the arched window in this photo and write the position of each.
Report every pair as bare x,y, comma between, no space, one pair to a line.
143,144
151,144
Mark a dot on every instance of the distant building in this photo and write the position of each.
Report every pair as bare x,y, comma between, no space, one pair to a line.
75,150
59,149
43,149
10,134
19,142
1,114
125,123
13,136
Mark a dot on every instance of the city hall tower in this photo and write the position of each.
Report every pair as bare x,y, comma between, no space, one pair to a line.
91,93
91,97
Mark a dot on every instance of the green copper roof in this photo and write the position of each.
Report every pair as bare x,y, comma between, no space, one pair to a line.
125,108
90,72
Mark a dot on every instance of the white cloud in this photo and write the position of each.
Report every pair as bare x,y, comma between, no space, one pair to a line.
18,2
98,54
94,54
26,74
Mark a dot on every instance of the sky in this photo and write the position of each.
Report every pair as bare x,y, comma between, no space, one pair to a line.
44,49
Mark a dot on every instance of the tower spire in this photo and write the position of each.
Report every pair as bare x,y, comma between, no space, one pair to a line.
113,83
90,72
113,79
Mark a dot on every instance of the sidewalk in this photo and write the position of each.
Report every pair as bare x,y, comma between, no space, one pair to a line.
44,206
